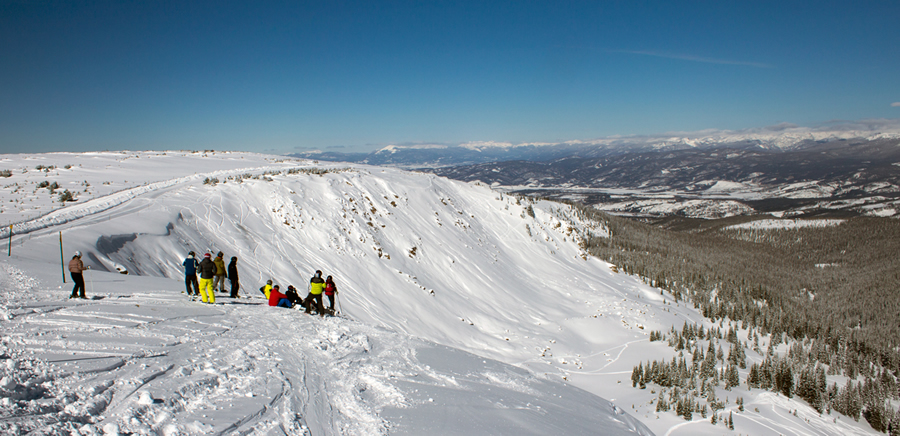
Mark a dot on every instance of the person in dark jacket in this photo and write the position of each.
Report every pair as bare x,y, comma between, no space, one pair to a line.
76,267
293,296
276,298
233,277
221,272
330,290
190,274
207,271
316,287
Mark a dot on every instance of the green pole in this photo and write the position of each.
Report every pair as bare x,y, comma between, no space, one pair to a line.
9,253
62,260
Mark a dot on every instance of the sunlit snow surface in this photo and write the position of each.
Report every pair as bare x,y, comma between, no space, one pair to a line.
461,312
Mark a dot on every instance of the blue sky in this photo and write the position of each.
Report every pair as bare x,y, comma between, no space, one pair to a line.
351,76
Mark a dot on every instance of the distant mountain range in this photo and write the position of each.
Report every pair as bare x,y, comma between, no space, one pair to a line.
783,137
848,169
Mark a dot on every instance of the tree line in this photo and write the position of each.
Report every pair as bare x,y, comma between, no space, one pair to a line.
833,290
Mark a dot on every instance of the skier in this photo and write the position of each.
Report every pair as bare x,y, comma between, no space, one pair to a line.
330,291
233,277
219,280
76,267
190,274
276,298
316,286
266,289
207,271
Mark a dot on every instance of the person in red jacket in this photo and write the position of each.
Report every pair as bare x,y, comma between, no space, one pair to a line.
276,298
330,290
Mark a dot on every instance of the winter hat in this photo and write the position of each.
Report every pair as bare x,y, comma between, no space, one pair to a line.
276,287
220,254
234,259
192,254
207,255
268,282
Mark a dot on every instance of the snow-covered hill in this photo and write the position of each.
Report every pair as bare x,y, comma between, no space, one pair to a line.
465,311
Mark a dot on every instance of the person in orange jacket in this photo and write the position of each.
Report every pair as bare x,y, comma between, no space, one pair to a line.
76,267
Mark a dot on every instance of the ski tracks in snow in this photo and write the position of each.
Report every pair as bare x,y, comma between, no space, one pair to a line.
154,363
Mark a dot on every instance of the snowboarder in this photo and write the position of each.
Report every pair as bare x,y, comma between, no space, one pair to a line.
316,286
330,291
266,289
190,274
76,267
276,298
219,280
207,271
233,277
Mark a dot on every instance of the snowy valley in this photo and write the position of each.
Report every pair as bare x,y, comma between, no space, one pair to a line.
464,310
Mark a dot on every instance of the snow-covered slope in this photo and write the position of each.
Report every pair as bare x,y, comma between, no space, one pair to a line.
465,310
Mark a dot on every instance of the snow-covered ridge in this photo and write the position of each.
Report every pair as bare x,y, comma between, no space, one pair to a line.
467,310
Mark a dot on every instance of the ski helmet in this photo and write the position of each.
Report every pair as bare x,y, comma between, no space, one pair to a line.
268,282
192,254
77,254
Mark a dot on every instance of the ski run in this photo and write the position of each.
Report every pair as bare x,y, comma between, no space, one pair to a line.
462,310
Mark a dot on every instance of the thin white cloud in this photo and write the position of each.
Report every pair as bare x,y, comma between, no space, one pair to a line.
692,58
895,104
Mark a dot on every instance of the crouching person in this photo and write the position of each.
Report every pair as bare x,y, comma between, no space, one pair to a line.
293,296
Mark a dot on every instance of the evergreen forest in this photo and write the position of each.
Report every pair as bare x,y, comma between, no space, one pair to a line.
831,293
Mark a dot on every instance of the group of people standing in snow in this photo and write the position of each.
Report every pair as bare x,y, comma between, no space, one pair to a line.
313,300
212,274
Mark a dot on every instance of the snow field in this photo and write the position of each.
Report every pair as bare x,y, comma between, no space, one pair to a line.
444,285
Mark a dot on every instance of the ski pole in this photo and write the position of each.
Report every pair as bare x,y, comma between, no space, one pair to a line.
337,297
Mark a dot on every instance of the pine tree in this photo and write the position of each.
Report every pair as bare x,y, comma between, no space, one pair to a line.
636,374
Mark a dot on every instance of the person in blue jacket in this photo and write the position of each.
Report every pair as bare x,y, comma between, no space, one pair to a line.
190,274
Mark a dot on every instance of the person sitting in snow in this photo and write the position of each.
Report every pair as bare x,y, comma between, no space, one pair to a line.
76,267
292,295
207,271
316,287
190,274
266,289
276,298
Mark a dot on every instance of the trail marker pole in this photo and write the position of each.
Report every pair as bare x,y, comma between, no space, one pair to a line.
62,260
9,253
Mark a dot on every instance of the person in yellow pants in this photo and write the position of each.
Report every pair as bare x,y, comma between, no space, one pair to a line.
207,271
